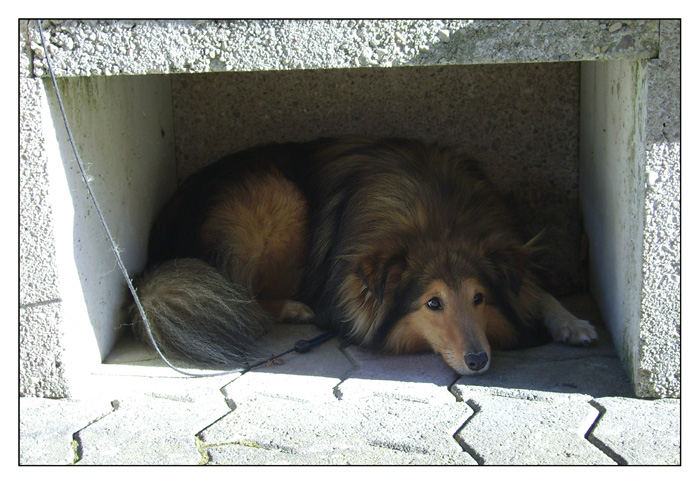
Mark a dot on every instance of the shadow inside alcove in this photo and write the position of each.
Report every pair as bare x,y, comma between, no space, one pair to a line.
594,371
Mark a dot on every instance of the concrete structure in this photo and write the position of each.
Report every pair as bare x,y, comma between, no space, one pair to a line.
630,193
151,101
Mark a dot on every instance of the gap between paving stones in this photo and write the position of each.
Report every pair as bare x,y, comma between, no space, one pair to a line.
204,448
642,432
337,392
506,431
77,443
465,446
385,444
230,402
595,441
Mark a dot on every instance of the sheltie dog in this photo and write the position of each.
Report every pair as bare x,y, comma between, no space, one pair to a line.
393,244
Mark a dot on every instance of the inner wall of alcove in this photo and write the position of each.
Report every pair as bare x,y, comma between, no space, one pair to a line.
521,121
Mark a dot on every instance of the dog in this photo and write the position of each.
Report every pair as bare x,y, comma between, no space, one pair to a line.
395,245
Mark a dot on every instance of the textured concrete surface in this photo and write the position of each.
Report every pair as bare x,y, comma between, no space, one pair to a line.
40,331
38,275
41,351
48,428
659,345
93,48
40,320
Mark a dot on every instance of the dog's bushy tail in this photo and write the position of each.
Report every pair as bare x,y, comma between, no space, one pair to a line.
197,314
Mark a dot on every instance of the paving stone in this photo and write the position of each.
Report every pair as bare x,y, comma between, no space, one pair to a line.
510,431
419,377
343,428
46,428
639,432
248,455
150,431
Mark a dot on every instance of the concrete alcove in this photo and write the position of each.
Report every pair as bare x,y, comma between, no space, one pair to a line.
568,142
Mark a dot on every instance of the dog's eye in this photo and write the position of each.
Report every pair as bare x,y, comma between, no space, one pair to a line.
478,298
434,304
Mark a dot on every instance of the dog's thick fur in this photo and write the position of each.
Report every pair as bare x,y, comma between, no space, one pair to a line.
396,245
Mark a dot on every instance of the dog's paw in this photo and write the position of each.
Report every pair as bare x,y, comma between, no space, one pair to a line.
296,311
575,332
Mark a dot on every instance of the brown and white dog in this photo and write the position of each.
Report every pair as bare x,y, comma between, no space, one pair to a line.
395,245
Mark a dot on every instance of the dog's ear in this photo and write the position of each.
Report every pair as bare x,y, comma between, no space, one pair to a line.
509,267
381,273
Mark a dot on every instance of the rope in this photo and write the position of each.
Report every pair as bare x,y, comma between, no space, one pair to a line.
300,346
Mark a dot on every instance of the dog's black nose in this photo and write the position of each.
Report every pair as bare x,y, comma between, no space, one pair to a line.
476,362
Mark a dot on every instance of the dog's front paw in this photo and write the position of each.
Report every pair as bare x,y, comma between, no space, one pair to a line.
296,311
575,332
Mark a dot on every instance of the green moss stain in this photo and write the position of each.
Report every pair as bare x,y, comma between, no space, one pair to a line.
203,448
76,451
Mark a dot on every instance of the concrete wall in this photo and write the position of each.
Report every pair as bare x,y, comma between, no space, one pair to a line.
613,102
40,307
525,135
62,256
123,130
630,192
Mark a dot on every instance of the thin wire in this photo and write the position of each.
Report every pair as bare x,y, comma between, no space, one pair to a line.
113,244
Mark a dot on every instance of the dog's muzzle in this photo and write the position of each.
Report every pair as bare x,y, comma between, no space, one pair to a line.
476,362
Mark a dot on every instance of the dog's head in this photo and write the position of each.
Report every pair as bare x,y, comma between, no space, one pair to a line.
455,305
